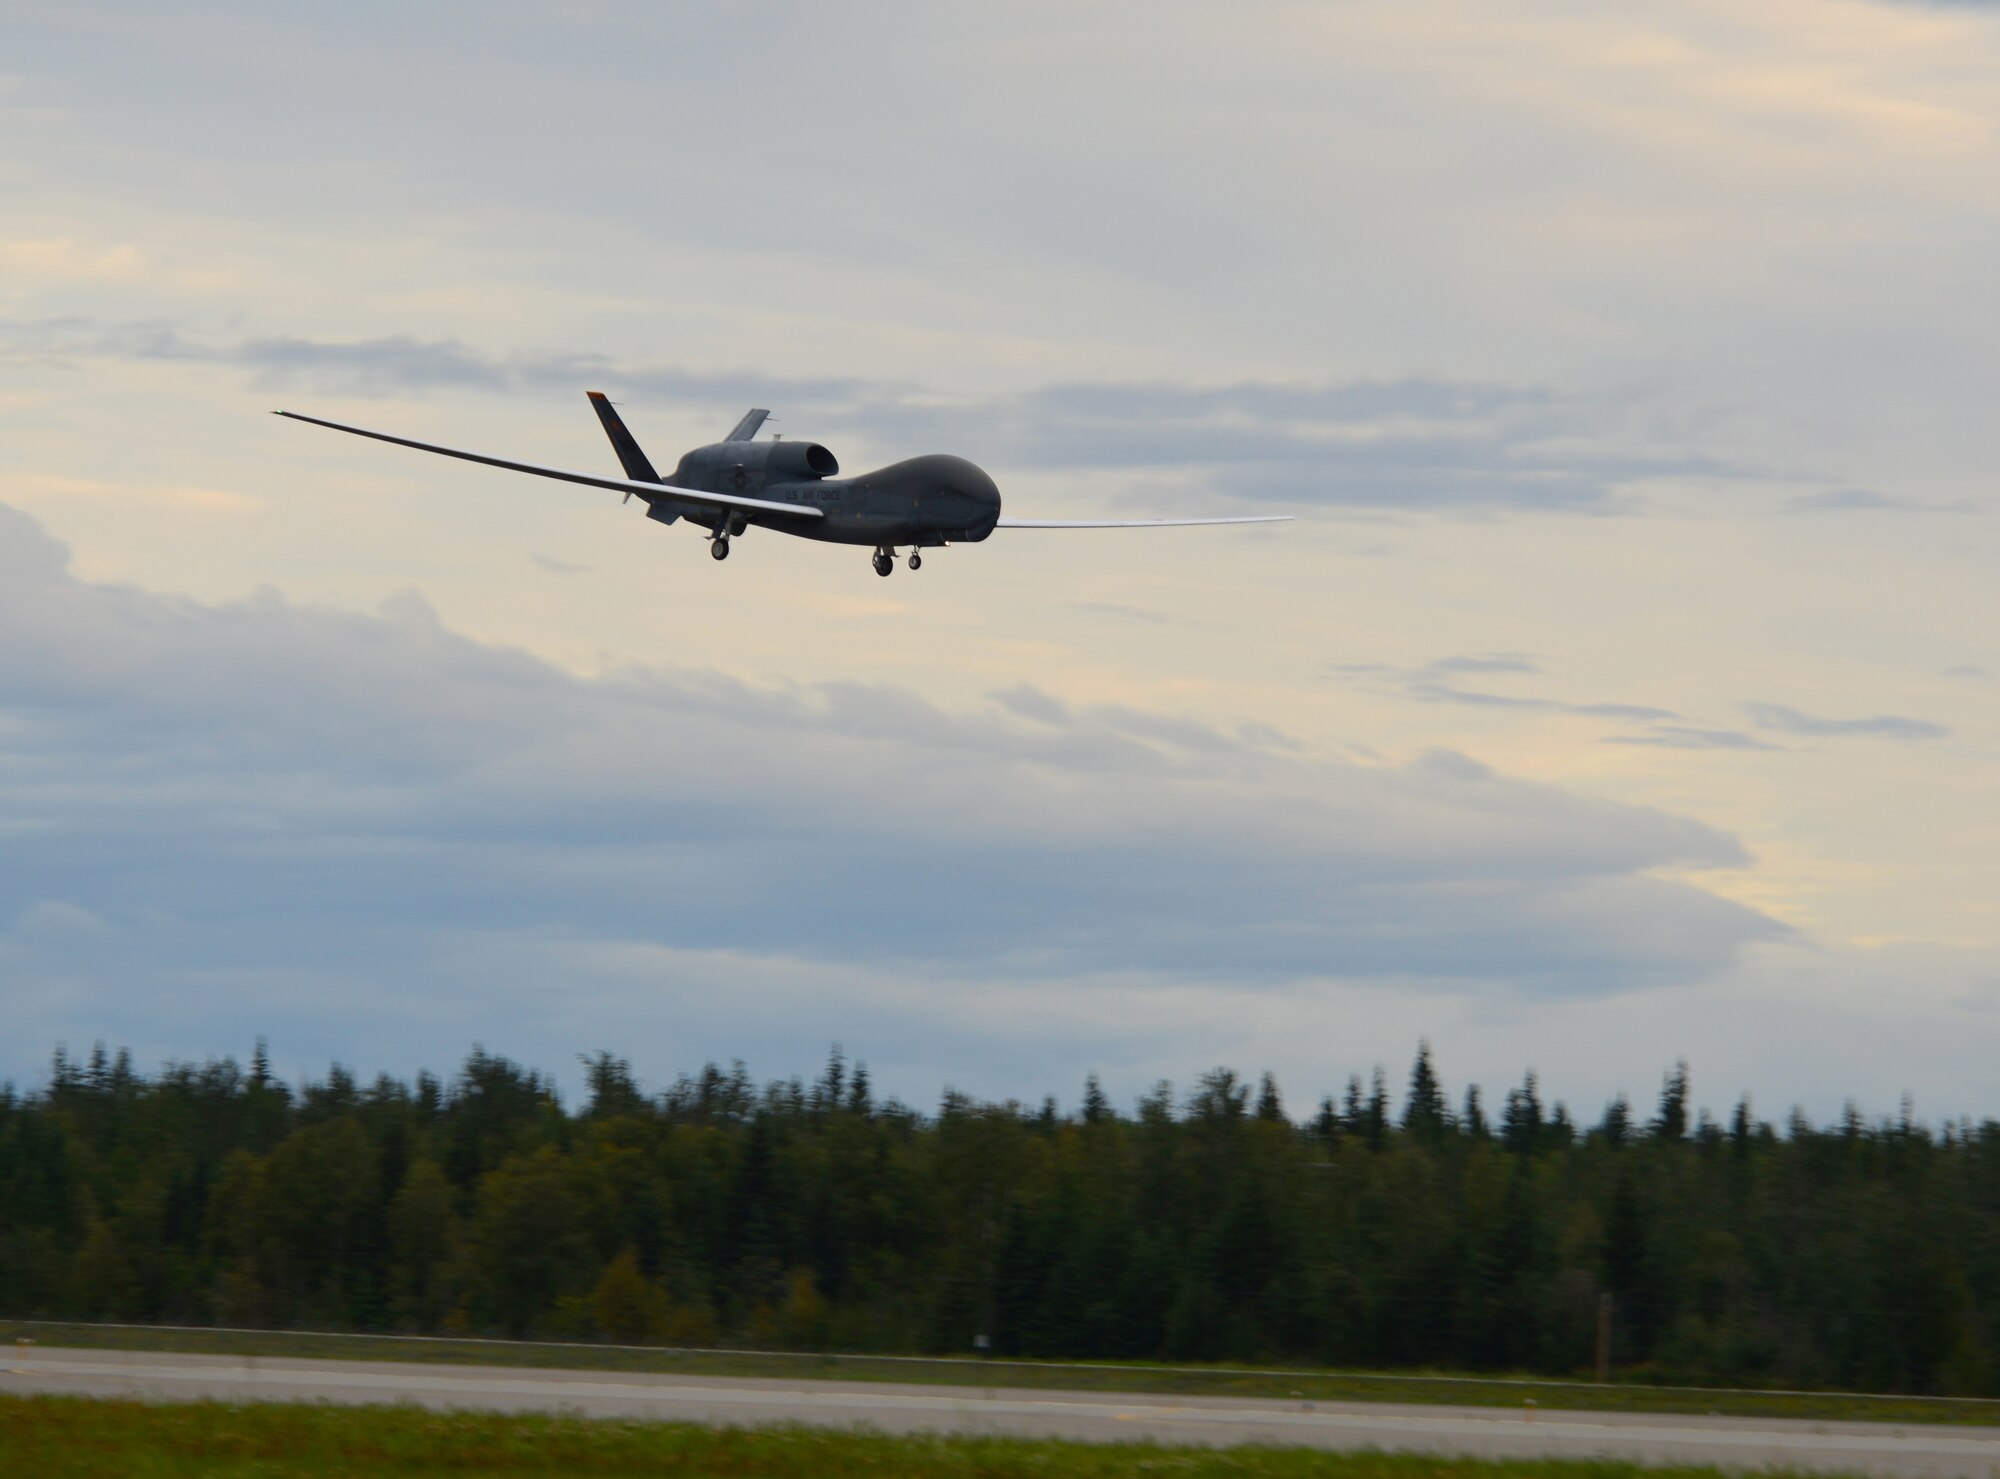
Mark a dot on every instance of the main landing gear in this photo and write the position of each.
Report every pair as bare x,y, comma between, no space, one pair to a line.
718,547
885,560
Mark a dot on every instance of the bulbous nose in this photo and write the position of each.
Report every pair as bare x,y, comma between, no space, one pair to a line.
962,498
980,498
980,488
967,479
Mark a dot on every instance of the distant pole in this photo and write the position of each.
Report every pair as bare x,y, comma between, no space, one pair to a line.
1604,1336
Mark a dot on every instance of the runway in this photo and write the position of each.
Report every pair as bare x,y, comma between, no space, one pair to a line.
1481,1432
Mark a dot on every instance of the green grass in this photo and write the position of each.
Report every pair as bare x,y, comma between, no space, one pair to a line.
88,1437
1220,1381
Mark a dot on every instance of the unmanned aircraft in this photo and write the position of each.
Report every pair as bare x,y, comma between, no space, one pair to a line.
793,488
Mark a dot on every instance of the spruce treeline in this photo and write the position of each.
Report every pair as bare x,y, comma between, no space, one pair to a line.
1210,1225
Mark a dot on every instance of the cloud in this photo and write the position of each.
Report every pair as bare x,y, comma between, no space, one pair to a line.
1432,683
57,917
1686,737
399,365
1493,662
1267,737
1864,500
1117,609
1966,670
27,487
554,566
1031,703
1447,693
260,798
64,258
1393,444
1787,720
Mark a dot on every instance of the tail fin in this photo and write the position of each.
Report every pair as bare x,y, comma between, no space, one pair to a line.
637,468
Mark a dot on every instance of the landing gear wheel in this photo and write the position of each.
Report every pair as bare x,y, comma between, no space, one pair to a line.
916,560
718,547
884,562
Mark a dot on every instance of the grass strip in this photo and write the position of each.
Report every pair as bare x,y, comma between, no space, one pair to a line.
1218,1381
89,1437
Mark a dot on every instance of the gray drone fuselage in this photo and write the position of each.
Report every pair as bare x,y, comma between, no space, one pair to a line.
796,488
924,501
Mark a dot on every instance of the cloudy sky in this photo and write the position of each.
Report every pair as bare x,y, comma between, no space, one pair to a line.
1627,690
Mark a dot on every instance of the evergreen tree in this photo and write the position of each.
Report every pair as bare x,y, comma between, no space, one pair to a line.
1425,1114
828,1092
1354,1112
1375,1121
1739,1126
1096,1108
612,1090
1865,1253
1270,1109
1521,1122
1472,1119
1219,1097
1616,1127
1560,1132
1672,1121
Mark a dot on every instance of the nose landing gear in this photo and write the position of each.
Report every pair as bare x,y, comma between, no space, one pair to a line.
885,560
916,560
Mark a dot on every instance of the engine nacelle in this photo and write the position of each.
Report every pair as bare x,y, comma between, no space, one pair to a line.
790,461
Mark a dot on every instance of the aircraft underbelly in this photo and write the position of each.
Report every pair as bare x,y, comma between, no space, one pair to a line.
866,529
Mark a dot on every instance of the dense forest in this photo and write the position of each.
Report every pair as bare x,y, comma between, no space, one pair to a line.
1201,1226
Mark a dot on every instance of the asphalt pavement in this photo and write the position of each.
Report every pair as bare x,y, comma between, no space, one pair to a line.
1481,1432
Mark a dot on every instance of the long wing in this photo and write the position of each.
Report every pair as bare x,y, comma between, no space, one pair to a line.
648,491
1006,523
